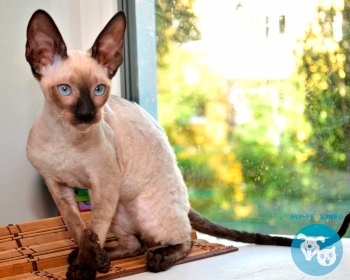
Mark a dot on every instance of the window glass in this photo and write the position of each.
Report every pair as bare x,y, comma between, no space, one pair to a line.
254,97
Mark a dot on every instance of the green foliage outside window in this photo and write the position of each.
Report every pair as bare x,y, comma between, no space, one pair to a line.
293,157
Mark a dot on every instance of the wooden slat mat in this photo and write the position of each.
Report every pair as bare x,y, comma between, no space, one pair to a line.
39,249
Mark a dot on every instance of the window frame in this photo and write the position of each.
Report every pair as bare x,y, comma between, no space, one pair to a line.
139,70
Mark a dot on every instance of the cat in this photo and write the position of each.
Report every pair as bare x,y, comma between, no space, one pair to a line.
84,137
327,257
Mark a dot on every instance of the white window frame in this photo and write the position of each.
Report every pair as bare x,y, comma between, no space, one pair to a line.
139,70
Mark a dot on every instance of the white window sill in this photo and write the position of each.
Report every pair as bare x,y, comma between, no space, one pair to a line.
251,262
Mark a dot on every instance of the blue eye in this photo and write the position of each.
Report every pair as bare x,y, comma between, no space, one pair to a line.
100,90
64,90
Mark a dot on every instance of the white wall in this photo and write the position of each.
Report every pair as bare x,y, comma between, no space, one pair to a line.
22,195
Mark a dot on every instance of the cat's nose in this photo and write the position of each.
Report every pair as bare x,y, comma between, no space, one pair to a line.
85,110
85,116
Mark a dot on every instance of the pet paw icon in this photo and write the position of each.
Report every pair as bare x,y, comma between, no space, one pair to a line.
310,246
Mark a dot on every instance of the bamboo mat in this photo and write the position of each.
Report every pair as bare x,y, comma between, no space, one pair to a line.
39,249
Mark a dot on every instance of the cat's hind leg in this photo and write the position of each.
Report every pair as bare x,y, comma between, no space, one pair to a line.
125,247
162,258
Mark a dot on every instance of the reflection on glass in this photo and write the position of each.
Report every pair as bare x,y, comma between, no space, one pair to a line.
254,96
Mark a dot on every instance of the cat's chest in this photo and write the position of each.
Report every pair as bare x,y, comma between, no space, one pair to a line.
66,164
70,163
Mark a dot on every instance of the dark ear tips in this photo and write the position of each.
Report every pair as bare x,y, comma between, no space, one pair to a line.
121,17
44,41
38,13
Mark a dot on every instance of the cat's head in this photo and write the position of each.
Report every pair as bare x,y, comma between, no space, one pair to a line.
76,84
327,257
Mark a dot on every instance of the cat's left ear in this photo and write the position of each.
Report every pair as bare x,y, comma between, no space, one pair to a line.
108,47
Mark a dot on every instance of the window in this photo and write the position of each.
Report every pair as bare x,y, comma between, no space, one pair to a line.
259,126
139,81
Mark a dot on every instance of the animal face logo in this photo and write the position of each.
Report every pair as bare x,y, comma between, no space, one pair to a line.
310,248
327,257
317,249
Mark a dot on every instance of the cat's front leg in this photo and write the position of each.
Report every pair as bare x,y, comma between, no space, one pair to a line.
104,203
91,255
64,198
89,258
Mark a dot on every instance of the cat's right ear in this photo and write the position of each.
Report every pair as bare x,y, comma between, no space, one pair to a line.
44,42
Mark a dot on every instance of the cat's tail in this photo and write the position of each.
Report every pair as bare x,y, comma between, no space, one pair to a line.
203,225
344,227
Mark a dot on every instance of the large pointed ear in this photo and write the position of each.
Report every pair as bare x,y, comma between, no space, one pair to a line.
44,42
108,47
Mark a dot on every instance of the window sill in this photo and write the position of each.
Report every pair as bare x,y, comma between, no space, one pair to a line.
250,262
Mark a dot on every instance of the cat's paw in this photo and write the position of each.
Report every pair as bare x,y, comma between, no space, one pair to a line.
90,252
158,260
80,272
73,256
101,261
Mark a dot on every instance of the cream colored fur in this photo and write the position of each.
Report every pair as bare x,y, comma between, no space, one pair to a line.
124,161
